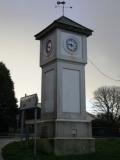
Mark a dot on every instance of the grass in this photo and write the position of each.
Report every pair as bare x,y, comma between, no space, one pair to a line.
106,149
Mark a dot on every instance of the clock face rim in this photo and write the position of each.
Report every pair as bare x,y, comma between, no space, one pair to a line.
48,47
67,49
71,44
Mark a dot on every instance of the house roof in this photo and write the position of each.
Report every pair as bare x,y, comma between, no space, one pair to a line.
66,24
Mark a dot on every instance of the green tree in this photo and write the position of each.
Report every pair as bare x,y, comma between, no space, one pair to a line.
8,102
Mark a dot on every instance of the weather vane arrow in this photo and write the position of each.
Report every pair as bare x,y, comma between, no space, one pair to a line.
63,6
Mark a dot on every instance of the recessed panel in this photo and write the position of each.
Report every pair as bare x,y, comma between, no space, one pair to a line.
49,91
70,90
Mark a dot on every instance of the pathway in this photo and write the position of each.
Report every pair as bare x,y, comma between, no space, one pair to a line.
4,141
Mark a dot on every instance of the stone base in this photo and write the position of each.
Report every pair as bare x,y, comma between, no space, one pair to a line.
65,128
70,146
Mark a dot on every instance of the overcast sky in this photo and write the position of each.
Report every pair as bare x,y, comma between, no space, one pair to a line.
20,20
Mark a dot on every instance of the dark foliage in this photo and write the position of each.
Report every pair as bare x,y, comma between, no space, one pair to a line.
8,102
101,127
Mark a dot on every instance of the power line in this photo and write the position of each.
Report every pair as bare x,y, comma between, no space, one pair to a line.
101,72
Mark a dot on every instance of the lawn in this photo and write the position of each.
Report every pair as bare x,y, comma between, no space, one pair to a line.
106,149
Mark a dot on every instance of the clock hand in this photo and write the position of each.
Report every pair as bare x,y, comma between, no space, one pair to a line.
70,44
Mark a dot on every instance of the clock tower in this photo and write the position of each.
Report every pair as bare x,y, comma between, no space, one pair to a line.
64,126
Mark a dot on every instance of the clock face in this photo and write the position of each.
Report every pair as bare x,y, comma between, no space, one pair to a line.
71,45
48,47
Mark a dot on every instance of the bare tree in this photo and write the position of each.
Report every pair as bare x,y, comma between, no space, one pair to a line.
107,102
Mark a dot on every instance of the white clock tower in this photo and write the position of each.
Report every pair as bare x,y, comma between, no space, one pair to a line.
64,128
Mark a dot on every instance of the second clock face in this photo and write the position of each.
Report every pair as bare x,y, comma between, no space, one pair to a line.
48,47
71,45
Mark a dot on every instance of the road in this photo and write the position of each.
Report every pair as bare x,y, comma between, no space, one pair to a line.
4,141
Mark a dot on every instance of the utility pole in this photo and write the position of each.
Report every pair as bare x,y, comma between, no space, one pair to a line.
22,124
35,128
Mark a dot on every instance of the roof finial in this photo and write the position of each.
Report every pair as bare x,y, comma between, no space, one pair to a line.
63,6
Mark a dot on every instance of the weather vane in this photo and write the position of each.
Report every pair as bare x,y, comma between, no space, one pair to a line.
63,6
